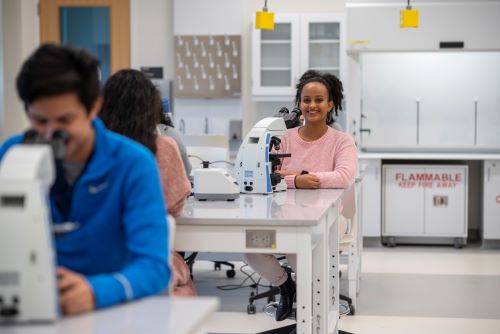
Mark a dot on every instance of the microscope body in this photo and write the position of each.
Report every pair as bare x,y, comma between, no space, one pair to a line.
28,286
255,166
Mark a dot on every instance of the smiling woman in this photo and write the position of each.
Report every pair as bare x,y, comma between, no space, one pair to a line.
321,157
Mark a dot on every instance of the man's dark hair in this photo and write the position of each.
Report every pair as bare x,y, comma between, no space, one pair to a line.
55,70
333,86
132,107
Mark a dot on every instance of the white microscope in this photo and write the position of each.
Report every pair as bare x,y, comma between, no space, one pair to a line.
255,166
28,284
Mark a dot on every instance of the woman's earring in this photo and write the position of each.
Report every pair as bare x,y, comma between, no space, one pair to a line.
328,117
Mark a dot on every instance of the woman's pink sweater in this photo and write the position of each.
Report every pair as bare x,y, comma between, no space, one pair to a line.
333,158
175,184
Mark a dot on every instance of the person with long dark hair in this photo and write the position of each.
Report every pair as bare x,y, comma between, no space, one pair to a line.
131,107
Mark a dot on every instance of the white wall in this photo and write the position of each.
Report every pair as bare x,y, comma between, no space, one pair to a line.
20,26
208,17
151,37
476,23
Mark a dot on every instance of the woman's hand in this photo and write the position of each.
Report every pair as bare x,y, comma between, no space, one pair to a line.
286,172
307,181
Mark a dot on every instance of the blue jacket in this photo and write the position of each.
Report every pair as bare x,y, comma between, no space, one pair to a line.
121,245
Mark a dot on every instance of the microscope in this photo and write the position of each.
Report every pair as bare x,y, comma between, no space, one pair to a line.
255,166
28,284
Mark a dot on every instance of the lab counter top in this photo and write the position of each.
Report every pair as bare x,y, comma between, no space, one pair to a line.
428,156
291,207
163,315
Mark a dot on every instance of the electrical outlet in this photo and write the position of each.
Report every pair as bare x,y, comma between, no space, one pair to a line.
261,239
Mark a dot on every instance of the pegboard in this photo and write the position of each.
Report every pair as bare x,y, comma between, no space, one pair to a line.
207,66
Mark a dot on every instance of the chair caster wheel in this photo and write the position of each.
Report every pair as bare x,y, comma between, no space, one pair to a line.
230,273
352,311
251,309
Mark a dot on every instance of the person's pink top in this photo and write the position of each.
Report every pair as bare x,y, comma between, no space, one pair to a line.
175,184
333,158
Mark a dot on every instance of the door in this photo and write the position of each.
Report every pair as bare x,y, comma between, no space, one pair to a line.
100,26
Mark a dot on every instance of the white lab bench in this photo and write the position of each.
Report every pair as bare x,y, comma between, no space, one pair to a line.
296,221
370,164
160,314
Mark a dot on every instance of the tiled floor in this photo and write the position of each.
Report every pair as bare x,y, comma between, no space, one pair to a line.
404,290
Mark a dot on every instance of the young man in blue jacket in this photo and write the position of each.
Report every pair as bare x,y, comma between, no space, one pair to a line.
107,189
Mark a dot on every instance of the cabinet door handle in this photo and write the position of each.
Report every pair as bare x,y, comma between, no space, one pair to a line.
488,174
418,120
475,120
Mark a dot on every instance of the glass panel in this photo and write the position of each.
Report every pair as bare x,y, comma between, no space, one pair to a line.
275,78
282,31
276,55
88,27
324,55
328,30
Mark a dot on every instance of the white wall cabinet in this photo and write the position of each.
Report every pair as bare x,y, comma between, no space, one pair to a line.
299,42
491,200
425,201
430,100
371,197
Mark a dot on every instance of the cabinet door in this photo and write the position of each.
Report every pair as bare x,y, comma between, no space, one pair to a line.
447,99
403,201
390,93
275,58
491,200
446,202
487,99
370,197
322,43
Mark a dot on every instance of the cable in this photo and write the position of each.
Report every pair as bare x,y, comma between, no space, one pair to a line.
210,162
227,162
255,284
195,156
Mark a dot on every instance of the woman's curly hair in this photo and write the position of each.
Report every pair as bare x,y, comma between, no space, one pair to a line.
333,86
